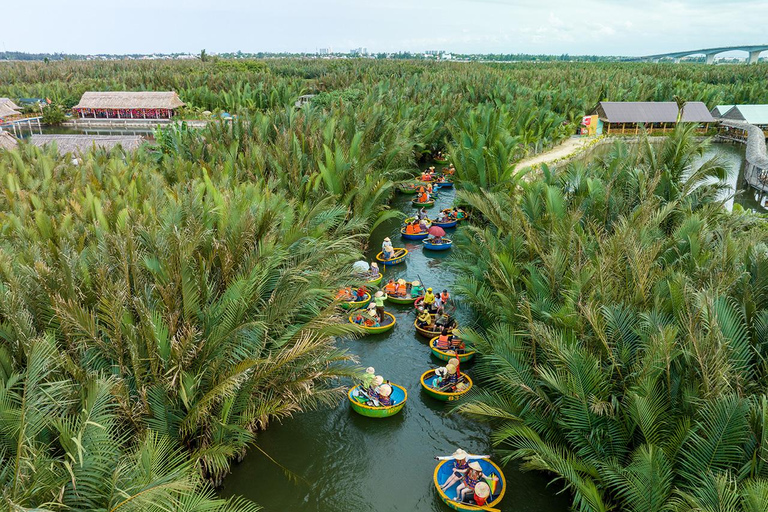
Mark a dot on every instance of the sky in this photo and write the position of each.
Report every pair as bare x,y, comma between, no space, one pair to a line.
576,27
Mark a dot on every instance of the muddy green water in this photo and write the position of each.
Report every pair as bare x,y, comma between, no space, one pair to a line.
350,463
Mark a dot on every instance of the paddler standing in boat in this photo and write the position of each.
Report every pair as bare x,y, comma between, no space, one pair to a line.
429,299
378,299
367,379
387,249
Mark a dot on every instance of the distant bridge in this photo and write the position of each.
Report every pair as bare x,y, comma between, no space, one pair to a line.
753,51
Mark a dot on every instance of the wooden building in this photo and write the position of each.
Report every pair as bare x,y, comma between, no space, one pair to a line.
628,117
7,141
128,105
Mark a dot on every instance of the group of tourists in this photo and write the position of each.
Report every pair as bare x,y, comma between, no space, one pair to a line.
416,227
402,288
448,342
373,387
448,378
373,316
473,485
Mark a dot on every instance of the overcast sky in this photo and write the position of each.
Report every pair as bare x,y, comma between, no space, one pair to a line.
602,27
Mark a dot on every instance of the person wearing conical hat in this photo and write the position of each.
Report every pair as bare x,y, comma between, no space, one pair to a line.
460,460
482,492
367,378
455,362
471,478
385,394
375,319
373,389
374,270
416,289
387,249
378,301
402,288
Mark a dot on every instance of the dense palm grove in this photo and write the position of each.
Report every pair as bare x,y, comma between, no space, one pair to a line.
160,308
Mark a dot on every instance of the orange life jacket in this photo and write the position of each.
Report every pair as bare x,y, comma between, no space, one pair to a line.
390,288
410,229
444,297
423,198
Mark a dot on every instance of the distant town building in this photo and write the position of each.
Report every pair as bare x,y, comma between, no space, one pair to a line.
128,105
325,51
362,51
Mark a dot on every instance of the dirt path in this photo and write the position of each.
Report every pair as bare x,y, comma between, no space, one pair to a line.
566,148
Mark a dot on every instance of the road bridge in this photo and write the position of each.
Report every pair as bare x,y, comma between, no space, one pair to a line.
754,52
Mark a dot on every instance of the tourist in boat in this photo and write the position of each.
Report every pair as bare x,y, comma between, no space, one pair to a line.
471,478
390,288
424,197
444,340
367,379
374,270
401,288
423,214
482,492
378,300
375,319
387,249
457,345
359,320
412,228
435,240
345,294
361,293
460,466
373,388
423,225
416,289
452,377
424,319
445,297
385,392
429,298
437,305
440,374
455,362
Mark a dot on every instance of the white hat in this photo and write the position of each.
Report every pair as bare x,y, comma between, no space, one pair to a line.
379,294
385,390
475,465
370,370
374,265
378,380
460,454
387,239
482,490
453,361
401,281
416,283
451,369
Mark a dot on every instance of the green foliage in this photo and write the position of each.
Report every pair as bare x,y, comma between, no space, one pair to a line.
53,114
623,336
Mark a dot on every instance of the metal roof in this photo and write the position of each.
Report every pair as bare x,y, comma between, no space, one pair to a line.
720,110
752,114
653,112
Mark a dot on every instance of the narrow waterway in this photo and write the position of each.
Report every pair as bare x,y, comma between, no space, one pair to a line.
349,463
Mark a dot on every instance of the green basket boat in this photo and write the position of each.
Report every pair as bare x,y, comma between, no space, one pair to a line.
407,190
446,355
399,397
391,321
401,300
444,470
375,282
444,396
352,304
428,204
425,332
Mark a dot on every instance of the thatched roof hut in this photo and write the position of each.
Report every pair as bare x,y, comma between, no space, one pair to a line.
82,143
7,141
6,111
10,104
129,100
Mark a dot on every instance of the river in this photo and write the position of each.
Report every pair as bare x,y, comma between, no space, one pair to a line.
349,463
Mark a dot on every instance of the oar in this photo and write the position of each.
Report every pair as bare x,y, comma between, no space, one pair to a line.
366,395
